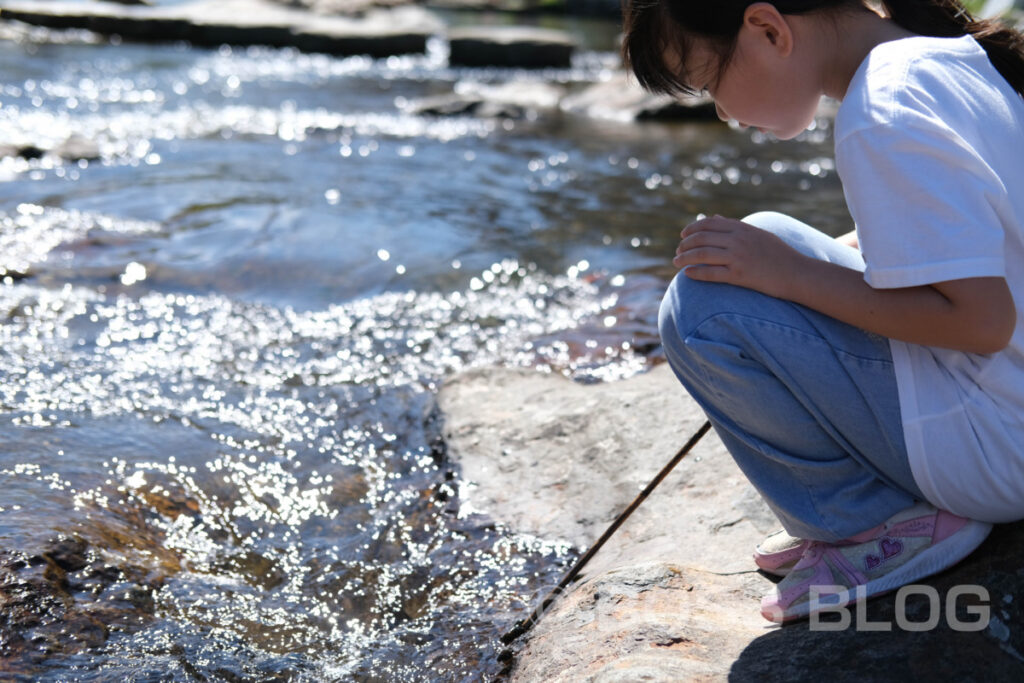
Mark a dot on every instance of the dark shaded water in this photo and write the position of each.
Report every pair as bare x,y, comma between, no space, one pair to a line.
221,343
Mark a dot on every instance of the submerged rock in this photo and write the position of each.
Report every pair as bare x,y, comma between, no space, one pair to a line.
674,595
68,597
510,46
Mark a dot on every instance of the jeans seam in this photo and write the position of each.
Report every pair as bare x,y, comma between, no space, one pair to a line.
812,337
765,322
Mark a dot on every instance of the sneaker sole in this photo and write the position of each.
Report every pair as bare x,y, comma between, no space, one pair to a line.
931,561
769,562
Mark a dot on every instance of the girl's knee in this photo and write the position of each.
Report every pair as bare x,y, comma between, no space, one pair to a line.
777,223
806,239
685,305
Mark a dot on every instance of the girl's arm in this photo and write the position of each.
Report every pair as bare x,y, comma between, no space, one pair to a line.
974,314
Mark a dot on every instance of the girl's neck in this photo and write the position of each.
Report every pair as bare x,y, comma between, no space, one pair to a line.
845,41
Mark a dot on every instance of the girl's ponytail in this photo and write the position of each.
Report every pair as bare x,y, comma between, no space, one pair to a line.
948,18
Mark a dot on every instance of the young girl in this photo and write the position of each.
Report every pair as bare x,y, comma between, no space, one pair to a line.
871,387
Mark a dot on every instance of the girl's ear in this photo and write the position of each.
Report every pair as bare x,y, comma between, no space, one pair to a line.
765,24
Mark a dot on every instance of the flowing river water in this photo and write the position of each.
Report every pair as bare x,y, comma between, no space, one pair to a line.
222,340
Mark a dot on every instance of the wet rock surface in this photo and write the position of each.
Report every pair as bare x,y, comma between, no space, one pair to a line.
68,597
674,595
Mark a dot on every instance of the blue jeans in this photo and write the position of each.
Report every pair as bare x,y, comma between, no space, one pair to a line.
806,405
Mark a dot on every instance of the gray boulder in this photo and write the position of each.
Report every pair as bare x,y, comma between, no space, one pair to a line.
510,46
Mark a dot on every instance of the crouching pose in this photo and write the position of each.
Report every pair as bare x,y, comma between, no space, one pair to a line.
871,387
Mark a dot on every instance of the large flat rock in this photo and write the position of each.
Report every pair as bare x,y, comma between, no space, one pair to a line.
510,46
379,32
674,595
562,460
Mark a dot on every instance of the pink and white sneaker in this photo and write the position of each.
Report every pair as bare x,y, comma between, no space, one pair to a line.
915,543
778,553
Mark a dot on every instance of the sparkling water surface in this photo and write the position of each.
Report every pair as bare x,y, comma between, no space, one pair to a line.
222,342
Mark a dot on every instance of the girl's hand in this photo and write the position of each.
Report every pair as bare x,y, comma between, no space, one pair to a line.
718,249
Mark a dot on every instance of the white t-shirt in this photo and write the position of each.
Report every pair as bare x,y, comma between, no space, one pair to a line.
930,149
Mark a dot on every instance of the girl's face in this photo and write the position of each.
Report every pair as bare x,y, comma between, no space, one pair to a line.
762,86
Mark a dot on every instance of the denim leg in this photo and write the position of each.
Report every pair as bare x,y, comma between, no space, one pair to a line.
806,405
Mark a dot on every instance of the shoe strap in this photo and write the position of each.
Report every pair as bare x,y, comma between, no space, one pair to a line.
839,561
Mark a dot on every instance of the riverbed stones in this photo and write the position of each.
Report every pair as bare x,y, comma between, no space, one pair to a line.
74,148
77,148
620,98
510,46
378,32
514,100
67,597
674,594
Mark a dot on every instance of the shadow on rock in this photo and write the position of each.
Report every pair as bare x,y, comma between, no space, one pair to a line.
880,643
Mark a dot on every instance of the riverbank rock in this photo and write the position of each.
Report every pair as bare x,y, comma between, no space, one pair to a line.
378,32
510,46
674,594
622,99
579,454
75,148
342,7
508,100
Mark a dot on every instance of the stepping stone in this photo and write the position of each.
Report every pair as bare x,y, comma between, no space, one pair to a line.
510,46
379,33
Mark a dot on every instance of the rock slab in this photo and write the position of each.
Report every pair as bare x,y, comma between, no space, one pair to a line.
510,46
378,33
674,594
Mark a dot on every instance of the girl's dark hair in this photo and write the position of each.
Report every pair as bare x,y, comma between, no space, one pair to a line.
651,27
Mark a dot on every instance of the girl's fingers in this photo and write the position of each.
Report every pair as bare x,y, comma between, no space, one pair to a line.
705,241
707,273
721,240
703,256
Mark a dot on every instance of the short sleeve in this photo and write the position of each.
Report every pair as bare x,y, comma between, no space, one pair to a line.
924,203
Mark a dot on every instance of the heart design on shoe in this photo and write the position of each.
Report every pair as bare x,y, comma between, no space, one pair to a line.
890,548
